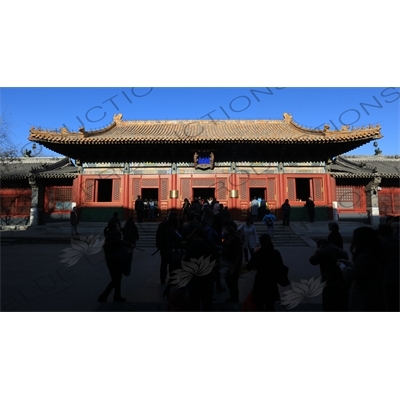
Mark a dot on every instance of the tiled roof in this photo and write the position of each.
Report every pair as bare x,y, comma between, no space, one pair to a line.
284,131
366,166
40,167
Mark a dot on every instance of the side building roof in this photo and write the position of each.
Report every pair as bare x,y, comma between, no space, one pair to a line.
39,167
365,166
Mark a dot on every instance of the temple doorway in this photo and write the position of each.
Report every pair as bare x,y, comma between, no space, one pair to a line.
203,193
150,194
258,193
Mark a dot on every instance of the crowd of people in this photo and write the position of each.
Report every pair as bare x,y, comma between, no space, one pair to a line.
146,209
368,279
205,229
365,279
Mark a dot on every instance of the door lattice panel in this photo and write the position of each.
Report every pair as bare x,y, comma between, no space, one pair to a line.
116,189
222,190
164,189
291,189
271,189
318,189
257,182
150,183
89,190
136,188
185,188
204,182
242,188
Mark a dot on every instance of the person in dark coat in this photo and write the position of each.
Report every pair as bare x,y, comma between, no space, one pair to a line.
269,266
334,236
175,245
391,264
335,294
189,226
365,272
139,208
115,253
195,208
185,208
130,233
310,208
115,219
286,208
232,254
74,219
200,288
262,209
224,213
162,245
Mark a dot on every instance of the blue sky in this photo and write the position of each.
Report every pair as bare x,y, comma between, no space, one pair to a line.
311,107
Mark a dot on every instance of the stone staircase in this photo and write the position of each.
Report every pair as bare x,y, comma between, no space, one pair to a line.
147,234
283,236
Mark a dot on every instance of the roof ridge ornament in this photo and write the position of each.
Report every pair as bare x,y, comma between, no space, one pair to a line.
288,118
117,118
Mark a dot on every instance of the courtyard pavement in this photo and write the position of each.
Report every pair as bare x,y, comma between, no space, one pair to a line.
34,278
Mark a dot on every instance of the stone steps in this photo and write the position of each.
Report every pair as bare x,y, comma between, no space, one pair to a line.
283,236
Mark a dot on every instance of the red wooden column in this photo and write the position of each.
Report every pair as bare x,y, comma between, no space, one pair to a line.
174,186
77,190
126,204
233,202
329,198
282,189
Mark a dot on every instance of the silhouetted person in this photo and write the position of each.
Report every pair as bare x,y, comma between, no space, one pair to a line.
189,226
214,236
74,219
310,208
390,259
269,266
232,254
130,233
254,209
224,213
334,236
335,294
152,210
115,219
269,220
365,272
262,209
250,239
115,255
286,208
200,288
185,208
139,208
175,245
162,245
195,208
